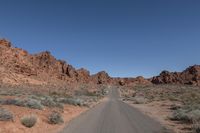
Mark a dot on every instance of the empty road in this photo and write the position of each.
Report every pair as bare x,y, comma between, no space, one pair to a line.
113,116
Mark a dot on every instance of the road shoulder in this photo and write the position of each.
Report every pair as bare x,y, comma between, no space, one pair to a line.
159,111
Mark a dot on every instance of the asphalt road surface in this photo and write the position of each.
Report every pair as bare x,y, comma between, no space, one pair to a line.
113,116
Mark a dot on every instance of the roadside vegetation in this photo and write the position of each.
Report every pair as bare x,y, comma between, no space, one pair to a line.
29,120
55,118
52,101
5,115
185,101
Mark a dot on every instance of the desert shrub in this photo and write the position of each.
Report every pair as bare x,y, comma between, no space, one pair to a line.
85,92
30,103
191,97
71,101
34,104
9,92
187,113
29,120
175,107
34,97
5,115
140,100
49,102
104,92
81,92
180,115
196,126
16,102
194,115
55,118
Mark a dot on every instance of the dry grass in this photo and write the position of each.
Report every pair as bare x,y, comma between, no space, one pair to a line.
186,98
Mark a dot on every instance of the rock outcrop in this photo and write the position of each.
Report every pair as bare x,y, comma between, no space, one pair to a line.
17,66
42,67
189,76
101,78
132,81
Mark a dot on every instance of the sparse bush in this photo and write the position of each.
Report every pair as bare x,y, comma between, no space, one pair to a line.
180,115
9,92
49,102
81,92
196,126
187,113
71,101
194,115
29,120
34,104
55,118
35,97
5,115
30,103
140,100
175,107
105,92
17,102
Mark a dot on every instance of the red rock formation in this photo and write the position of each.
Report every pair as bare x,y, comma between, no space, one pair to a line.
5,43
17,66
42,66
83,75
101,78
189,76
132,81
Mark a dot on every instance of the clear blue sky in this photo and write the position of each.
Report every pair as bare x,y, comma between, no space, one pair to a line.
126,38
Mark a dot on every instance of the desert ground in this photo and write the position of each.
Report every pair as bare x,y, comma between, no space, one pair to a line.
175,106
25,110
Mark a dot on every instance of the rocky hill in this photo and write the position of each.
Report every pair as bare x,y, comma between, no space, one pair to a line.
17,67
190,76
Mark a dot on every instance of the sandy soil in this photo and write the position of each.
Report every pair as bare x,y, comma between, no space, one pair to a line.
161,112
42,125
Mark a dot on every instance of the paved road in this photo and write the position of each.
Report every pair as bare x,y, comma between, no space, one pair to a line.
113,116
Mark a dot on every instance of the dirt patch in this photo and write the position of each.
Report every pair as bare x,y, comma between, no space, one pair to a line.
161,111
42,124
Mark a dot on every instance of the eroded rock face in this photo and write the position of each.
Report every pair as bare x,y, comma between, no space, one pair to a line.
42,66
17,66
5,43
189,76
101,78
83,75
132,81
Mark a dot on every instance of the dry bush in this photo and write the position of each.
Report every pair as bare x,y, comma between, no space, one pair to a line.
55,118
5,115
34,104
29,120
